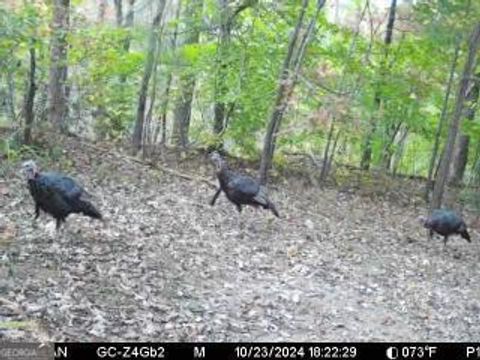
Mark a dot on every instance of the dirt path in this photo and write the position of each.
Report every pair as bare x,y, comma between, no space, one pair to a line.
169,267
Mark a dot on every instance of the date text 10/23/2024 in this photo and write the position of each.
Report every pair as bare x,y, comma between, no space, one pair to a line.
225,351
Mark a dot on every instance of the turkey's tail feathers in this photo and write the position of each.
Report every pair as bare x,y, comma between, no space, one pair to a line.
273,209
464,234
262,199
88,209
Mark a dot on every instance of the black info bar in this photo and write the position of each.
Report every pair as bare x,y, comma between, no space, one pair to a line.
226,351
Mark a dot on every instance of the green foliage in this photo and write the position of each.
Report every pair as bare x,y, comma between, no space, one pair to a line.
347,77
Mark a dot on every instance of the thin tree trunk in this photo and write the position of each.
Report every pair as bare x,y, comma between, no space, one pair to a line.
227,18
58,64
288,78
67,89
332,153
183,103
441,122
102,7
460,153
162,123
475,177
324,171
147,138
163,116
129,24
397,158
220,81
149,63
441,179
163,140
11,97
118,12
367,148
30,98
388,147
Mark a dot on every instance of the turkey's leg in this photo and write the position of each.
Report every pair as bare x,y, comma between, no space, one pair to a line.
239,219
430,234
445,239
217,194
37,214
60,230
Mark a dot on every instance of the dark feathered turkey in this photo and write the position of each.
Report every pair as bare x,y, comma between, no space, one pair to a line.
446,223
57,194
240,189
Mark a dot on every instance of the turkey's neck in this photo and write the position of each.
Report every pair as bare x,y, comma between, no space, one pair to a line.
224,175
33,177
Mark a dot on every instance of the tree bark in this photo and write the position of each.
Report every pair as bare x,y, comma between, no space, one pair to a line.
442,176
397,158
142,98
367,148
118,12
10,100
129,24
388,148
288,78
102,7
183,103
147,128
58,64
460,153
324,171
441,122
29,98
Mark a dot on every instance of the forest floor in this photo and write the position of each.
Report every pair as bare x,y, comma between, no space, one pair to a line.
168,267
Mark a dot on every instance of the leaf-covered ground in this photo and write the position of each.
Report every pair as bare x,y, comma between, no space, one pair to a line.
167,266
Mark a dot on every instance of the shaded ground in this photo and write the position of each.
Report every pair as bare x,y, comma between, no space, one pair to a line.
169,267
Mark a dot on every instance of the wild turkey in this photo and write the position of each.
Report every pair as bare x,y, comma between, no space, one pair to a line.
57,194
445,222
239,189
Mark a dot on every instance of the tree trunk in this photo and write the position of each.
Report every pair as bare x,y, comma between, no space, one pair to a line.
102,7
183,103
367,147
227,16
324,171
10,100
388,148
129,24
29,99
442,176
220,81
460,154
443,117
118,12
397,158
475,178
58,64
288,78
149,63
147,128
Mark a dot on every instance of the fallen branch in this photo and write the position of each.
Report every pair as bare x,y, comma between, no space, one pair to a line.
153,165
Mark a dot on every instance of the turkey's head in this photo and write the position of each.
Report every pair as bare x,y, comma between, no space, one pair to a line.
217,160
423,220
30,169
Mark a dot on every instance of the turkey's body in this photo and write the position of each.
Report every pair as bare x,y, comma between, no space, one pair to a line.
446,223
242,190
59,196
